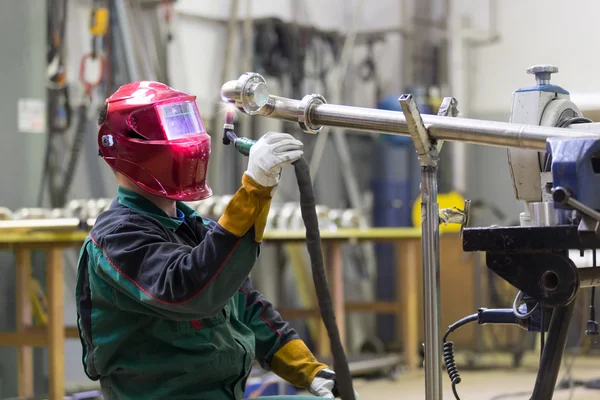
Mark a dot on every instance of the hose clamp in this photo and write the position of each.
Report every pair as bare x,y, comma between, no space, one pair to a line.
307,104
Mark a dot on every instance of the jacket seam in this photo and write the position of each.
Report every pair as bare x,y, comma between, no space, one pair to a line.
262,304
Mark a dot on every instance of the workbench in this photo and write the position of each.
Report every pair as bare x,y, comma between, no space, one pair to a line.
406,306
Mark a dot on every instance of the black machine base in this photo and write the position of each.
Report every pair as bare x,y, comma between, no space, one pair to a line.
536,261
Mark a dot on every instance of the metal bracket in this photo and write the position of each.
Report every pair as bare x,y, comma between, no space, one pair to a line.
456,216
428,149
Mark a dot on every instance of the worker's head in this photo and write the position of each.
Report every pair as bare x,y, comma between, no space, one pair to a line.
153,135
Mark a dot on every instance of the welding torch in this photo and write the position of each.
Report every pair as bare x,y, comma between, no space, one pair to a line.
242,144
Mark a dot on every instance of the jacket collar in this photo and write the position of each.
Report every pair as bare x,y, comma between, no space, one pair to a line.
139,203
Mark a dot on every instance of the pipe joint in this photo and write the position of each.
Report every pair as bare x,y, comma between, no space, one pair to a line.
307,104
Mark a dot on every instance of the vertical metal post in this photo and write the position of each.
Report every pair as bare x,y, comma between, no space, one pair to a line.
428,150
121,9
430,243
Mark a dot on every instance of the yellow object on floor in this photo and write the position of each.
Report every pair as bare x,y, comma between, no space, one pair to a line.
445,200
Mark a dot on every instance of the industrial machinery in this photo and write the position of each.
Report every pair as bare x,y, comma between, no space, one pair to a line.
554,170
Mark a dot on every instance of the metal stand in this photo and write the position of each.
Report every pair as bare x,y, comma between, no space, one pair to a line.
431,282
553,353
428,151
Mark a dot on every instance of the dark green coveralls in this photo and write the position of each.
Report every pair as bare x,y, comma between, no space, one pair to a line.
166,309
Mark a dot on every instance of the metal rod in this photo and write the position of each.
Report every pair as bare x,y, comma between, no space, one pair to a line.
553,352
431,283
490,133
127,40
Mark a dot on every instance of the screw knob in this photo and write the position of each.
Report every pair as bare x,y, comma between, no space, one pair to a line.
542,73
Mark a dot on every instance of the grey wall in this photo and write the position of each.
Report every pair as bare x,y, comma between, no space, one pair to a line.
23,66
22,29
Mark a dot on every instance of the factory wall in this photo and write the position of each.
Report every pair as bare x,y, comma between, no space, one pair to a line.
529,32
21,153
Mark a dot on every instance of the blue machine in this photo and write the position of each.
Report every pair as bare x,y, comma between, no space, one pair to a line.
395,186
576,167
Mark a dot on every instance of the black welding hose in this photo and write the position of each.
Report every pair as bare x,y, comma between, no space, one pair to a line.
313,244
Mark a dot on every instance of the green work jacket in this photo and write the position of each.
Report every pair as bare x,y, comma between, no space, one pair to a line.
165,306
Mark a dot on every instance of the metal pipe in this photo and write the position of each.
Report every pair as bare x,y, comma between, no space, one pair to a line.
490,133
502,134
127,40
431,282
553,352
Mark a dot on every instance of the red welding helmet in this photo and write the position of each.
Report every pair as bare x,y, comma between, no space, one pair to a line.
154,135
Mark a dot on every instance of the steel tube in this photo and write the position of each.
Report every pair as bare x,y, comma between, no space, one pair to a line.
430,243
490,133
282,108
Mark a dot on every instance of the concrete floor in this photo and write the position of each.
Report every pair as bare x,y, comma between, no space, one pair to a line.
483,384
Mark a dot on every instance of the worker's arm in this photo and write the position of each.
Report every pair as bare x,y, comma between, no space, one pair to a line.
182,282
177,281
278,347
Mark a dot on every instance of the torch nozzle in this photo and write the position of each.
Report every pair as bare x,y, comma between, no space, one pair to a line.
229,117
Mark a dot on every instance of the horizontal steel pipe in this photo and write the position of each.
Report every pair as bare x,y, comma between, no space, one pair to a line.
490,133
483,132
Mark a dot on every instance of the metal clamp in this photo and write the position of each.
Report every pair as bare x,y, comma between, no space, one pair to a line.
591,217
428,148
456,216
308,103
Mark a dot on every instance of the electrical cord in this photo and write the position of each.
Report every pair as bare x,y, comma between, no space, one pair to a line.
448,351
483,317
515,307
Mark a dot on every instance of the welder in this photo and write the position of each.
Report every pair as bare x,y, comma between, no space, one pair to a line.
165,306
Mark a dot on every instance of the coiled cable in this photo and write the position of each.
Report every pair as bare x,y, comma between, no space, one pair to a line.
451,366
448,348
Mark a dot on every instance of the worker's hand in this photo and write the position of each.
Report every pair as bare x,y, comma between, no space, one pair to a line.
324,385
269,154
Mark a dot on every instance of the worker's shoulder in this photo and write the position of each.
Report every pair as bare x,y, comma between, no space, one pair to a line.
121,219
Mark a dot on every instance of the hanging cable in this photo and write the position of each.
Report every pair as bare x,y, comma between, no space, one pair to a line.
58,173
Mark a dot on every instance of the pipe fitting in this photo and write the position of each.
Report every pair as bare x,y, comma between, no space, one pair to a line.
249,93
307,104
